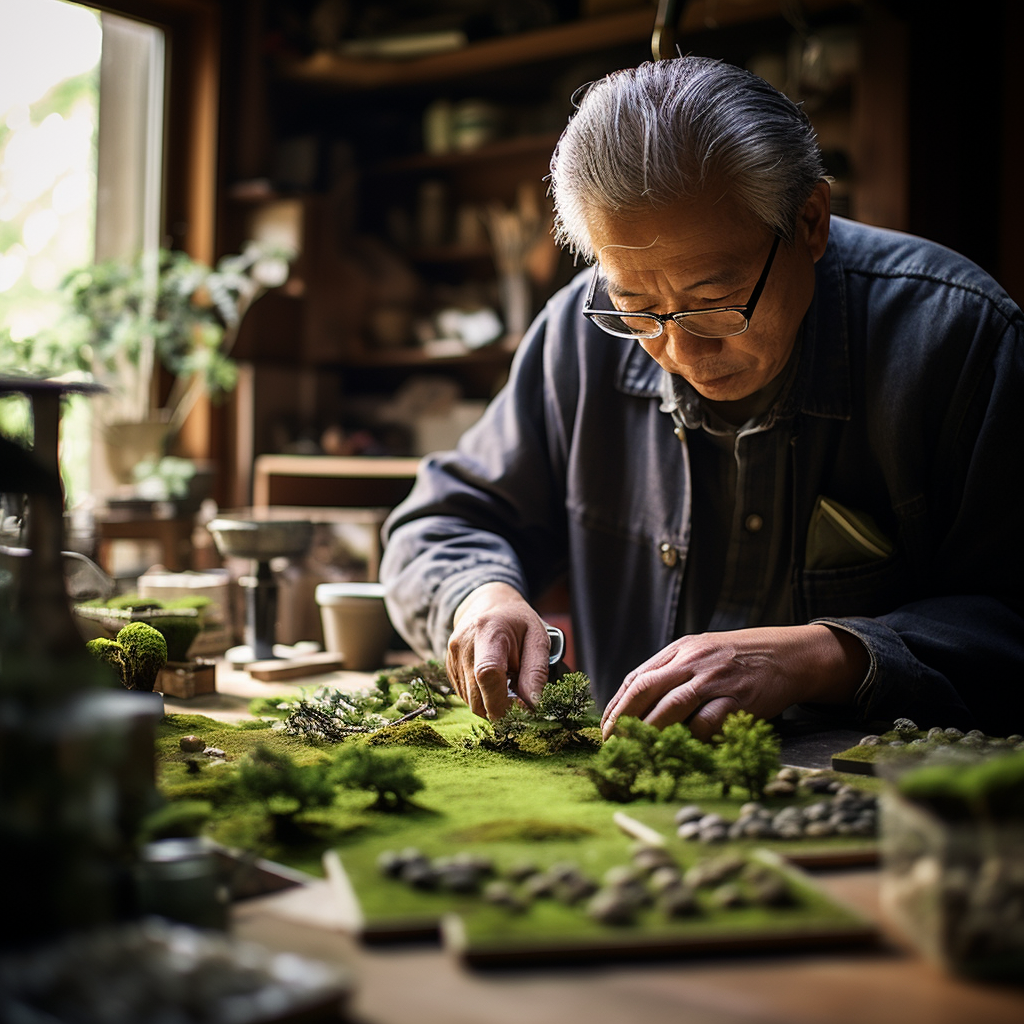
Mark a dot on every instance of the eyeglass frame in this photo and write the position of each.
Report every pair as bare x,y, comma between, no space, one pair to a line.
678,317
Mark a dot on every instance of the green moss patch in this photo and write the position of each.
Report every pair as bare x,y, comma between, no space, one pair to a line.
408,734
531,830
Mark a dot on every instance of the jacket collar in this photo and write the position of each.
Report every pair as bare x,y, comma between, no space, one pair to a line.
822,384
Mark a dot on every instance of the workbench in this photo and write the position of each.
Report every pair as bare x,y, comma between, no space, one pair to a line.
421,984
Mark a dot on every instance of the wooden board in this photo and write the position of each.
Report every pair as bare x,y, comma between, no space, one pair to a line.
294,668
789,929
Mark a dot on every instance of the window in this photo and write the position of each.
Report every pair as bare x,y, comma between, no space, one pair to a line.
81,131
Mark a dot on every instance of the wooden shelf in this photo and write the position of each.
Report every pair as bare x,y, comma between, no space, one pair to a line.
497,352
505,149
584,36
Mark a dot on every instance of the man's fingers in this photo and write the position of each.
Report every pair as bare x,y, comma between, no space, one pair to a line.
533,670
492,687
677,705
709,718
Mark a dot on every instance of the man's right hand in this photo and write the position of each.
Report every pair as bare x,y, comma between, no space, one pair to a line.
497,637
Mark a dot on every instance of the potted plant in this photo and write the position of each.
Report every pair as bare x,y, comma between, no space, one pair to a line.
126,317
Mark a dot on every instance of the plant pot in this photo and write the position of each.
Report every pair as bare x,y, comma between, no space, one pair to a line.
127,444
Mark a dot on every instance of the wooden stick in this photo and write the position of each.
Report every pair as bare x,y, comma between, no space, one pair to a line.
638,830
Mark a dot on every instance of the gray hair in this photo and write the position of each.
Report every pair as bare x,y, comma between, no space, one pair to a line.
648,136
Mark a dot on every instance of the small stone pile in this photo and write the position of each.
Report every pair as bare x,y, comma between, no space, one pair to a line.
842,810
462,872
652,879
907,734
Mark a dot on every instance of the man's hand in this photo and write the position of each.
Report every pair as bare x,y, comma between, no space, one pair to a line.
497,636
702,679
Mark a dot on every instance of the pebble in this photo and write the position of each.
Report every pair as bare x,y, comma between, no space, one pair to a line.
609,907
904,727
728,896
679,902
691,812
192,744
869,741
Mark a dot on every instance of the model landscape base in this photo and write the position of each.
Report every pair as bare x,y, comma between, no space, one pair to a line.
510,808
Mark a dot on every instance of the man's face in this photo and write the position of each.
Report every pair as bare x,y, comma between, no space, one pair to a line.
699,254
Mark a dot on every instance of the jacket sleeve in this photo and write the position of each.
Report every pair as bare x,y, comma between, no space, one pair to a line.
954,655
491,511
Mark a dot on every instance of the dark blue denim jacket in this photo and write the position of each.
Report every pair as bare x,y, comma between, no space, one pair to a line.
908,406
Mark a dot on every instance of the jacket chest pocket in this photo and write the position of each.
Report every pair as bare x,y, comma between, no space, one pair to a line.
870,589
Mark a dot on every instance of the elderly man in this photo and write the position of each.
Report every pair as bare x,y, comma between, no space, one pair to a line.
777,451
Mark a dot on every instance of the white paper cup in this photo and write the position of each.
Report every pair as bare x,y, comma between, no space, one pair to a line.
355,622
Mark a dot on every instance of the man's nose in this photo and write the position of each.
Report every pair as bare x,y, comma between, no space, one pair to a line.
684,348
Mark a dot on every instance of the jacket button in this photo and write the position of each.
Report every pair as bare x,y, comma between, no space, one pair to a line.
669,555
753,522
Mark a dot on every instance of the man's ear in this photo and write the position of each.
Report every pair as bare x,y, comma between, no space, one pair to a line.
813,221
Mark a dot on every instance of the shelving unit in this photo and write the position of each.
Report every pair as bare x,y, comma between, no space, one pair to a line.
365,118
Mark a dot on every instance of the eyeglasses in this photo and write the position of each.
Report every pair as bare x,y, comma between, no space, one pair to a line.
721,322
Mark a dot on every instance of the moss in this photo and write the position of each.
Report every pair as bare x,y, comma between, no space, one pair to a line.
407,734
178,632
111,654
146,650
530,830
992,788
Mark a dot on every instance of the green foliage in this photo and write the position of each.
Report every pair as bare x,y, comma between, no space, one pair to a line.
146,651
506,735
616,768
388,773
747,753
286,788
678,754
179,818
641,760
178,632
991,789
567,703
112,654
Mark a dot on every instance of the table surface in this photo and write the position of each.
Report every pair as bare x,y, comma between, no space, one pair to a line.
421,984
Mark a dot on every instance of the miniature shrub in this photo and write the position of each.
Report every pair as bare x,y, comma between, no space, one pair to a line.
747,753
388,773
567,702
146,651
616,768
284,787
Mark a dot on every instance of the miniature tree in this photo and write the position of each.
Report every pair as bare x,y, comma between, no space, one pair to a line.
677,753
505,735
388,773
284,787
644,735
146,651
747,753
567,703
616,768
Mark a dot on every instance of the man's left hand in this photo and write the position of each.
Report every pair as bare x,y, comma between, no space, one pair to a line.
703,678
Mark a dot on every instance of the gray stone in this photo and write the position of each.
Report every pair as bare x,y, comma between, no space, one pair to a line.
904,727
609,907
689,830
869,741
691,812
679,902
729,896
